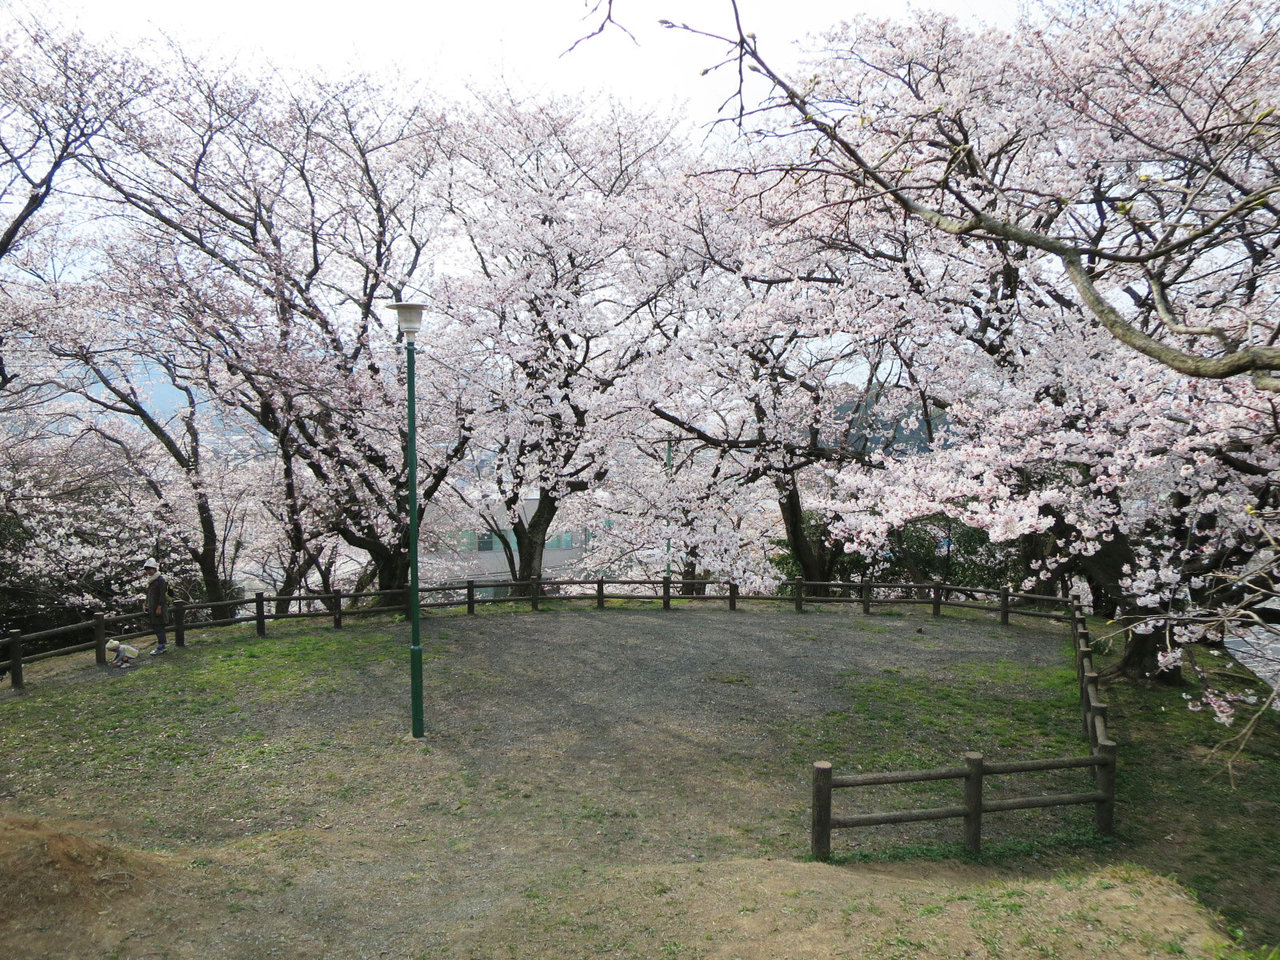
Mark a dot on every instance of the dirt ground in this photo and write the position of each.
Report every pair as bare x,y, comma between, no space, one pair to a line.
619,784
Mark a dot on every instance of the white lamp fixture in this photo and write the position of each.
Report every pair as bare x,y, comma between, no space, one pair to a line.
409,318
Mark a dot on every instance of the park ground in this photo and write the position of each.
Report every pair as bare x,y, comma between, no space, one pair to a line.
624,783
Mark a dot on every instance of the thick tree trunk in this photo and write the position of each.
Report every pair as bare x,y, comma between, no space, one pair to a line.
531,540
393,569
1104,571
206,557
690,586
288,587
1140,659
815,560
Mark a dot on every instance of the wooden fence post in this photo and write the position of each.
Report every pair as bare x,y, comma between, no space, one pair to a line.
471,598
733,595
866,598
1079,622
600,594
1004,606
799,594
15,659
1089,682
937,599
337,609
1105,810
260,612
1084,648
1098,711
973,803
666,593
820,839
1084,645
180,623
100,638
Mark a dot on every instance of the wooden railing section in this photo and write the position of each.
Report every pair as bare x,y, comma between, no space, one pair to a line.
1003,602
18,649
1101,761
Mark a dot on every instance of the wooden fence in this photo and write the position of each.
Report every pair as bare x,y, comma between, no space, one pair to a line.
1101,761
18,649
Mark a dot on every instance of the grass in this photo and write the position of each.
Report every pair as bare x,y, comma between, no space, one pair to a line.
1185,814
909,718
214,737
209,752
914,717
1181,812
1064,843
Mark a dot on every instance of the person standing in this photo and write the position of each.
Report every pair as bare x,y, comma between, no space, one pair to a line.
157,604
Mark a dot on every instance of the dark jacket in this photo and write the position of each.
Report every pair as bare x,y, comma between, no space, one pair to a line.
157,599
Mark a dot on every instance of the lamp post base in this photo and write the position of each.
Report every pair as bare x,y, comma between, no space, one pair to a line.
415,671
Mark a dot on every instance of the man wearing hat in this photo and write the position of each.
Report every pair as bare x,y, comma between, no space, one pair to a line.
157,603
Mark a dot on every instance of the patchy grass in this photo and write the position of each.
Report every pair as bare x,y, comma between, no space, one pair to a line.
1186,814
604,784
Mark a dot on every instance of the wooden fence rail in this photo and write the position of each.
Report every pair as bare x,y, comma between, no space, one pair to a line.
17,649
974,805
1101,759
1102,751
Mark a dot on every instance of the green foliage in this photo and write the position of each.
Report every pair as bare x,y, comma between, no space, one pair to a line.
846,567
929,549
945,550
17,592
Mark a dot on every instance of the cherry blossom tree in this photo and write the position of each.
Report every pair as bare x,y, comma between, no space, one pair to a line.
105,376
76,522
673,506
57,96
1091,166
75,525
268,223
787,347
557,210
1133,147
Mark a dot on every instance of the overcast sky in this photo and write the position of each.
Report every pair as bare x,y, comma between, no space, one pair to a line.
451,44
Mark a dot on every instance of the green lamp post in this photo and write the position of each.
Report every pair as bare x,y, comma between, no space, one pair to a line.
409,319
668,522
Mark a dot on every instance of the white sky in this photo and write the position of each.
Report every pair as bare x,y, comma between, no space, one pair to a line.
452,43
